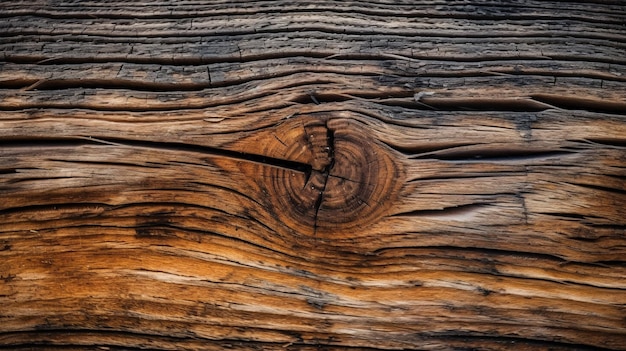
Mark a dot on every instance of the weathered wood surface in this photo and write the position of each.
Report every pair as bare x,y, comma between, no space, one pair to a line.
305,175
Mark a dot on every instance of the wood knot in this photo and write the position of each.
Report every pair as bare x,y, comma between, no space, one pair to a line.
345,179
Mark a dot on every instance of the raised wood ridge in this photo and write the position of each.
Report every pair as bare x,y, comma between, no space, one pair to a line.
433,175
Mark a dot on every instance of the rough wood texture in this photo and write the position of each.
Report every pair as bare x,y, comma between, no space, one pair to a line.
313,175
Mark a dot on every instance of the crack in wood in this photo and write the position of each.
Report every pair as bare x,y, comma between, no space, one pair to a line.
330,140
239,155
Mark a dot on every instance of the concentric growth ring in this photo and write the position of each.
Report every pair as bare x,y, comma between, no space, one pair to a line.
348,179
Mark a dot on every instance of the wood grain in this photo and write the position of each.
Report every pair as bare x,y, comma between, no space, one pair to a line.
380,175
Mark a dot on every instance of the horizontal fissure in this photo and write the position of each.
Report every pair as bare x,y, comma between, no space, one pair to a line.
411,150
459,212
493,155
614,263
175,146
609,141
575,103
616,227
63,83
568,215
105,163
468,175
170,146
621,191
485,251
44,141
314,98
468,104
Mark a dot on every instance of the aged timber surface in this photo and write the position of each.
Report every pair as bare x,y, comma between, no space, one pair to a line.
294,175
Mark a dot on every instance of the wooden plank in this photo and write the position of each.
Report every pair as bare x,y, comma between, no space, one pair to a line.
296,176
610,11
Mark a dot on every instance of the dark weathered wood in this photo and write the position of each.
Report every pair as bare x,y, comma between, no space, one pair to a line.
305,175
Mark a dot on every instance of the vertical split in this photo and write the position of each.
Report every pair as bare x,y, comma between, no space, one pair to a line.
330,149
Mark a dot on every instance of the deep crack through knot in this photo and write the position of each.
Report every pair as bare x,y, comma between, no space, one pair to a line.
330,148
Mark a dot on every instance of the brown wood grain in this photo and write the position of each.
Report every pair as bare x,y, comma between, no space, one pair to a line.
381,175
